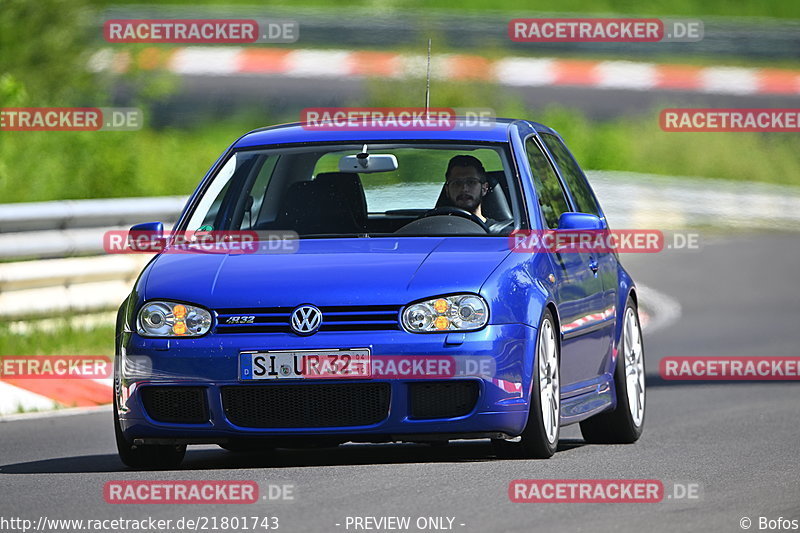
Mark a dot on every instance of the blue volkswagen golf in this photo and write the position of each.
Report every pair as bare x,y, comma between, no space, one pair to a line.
388,303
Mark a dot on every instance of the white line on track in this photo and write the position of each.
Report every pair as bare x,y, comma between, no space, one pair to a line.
57,413
662,310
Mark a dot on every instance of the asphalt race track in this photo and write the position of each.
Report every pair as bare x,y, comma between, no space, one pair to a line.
279,93
738,441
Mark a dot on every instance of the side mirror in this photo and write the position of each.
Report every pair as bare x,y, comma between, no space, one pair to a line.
147,237
579,221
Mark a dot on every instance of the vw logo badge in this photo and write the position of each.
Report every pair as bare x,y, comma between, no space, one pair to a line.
306,319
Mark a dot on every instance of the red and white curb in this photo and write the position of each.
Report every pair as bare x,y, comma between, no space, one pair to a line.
512,71
23,395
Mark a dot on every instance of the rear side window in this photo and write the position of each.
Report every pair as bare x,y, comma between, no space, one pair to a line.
573,176
548,187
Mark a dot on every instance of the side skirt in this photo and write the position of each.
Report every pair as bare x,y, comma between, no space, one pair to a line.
583,400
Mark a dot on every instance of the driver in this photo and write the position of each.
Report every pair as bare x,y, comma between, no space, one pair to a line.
466,185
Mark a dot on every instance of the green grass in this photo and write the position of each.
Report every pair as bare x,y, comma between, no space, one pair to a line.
38,166
634,144
64,340
68,165
788,9
639,145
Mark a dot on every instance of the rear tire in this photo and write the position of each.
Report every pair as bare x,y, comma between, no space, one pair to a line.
147,456
540,436
624,424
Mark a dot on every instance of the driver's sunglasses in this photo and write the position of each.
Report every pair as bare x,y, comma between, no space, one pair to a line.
469,182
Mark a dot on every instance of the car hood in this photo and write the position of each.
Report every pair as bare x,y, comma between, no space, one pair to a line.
325,272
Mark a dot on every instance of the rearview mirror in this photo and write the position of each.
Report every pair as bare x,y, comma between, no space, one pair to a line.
365,163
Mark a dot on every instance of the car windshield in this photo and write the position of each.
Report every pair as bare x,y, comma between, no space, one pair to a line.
304,190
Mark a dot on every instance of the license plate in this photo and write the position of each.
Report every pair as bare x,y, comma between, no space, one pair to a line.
305,364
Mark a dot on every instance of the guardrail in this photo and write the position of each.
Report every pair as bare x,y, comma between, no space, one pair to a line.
51,232
56,284
754,37
74,227
78,285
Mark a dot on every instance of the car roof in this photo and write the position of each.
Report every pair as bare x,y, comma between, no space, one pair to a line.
496,131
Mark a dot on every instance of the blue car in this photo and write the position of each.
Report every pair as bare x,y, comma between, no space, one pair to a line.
384,301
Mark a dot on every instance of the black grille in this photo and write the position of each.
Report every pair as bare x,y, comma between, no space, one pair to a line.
177,405
334,318
312,405
445,399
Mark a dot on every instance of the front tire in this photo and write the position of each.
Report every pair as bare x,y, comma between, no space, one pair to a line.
147,456
624,424
539,439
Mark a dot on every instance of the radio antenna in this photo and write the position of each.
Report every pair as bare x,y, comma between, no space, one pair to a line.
428,82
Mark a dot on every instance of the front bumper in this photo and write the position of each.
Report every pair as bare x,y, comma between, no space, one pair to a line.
210,366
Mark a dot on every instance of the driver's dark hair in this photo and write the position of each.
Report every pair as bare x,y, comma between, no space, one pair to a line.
466,161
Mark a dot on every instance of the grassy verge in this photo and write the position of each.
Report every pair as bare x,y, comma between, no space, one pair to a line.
38,166
639,145
724,8
63,340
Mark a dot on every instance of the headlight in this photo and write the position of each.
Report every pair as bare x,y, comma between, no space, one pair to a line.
459,312
172,319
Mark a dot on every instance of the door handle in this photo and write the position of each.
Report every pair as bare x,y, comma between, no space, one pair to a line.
593,265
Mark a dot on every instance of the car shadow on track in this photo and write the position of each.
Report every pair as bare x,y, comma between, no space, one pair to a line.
657,382
212,458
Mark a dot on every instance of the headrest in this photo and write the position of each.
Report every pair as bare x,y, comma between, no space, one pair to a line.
345,187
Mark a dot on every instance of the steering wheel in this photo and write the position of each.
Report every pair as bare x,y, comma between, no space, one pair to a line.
502,227
457,211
